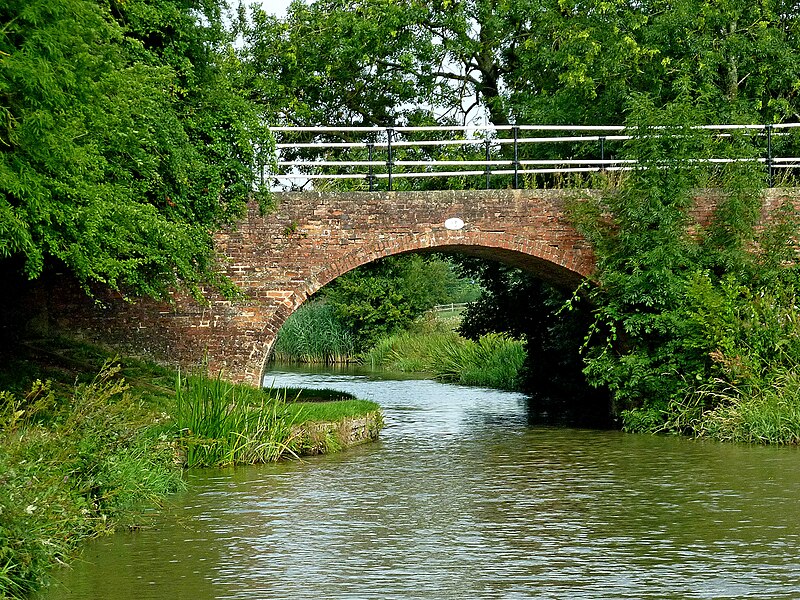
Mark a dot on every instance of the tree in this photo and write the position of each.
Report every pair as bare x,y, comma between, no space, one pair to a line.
686,312
522,61
552,324
385,296
124,140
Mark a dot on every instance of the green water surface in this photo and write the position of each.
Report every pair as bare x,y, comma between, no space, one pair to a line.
464,498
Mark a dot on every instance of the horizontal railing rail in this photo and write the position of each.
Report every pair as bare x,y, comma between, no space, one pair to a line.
452,307
373,154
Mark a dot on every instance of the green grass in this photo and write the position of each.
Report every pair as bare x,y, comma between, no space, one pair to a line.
304,412
312,334
87,443
765,412
316,395
221,423
432,347
72,467
761,409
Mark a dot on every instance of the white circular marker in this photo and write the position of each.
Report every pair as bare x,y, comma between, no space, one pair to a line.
454,224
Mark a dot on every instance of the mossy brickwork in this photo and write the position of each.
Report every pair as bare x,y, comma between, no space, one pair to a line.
321,437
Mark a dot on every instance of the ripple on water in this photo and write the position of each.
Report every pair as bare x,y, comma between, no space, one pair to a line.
462,499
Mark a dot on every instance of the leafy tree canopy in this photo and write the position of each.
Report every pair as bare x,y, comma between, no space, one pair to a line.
525,61
124,139
385,296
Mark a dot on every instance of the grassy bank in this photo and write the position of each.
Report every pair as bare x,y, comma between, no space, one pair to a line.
313,336
86,444
433,347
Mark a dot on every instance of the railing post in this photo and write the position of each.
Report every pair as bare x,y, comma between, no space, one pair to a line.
487,143
371,175
602,154
389,157
516,157
770,180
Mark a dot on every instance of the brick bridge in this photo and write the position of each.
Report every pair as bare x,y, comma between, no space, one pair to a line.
280,259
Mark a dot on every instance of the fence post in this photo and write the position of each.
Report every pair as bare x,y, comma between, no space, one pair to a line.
602,154
371,175
487,144
770,180
516,157
389,157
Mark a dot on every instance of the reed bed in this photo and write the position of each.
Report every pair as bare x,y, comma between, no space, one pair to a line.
492,361
767,412
313,334
222,423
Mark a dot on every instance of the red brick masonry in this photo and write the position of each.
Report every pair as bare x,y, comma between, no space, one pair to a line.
280,259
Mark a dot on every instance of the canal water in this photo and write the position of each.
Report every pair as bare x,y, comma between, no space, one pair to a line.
465,497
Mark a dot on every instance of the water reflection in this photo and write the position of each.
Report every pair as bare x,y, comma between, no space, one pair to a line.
462,498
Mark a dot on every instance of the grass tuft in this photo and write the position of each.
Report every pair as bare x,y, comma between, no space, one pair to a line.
313,334
492,361
222,423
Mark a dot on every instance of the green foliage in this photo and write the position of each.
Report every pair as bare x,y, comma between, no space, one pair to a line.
83,454
524,61
313,334
767,412
124,140
225,424
525,307
71,471
684,311
360,307
493,360
221,423
387,295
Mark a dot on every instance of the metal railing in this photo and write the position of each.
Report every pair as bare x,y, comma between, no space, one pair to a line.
373,154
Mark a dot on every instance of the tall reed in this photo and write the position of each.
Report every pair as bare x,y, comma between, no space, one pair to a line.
766,411
222,423
492,361
313,334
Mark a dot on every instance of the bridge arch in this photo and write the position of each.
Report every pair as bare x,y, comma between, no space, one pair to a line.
551,264
542,244
279,259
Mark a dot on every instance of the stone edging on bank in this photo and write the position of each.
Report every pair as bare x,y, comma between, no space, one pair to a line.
324,437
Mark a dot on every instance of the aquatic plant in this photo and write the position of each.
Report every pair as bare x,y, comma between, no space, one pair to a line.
222,423
313,334
493,361
762,410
